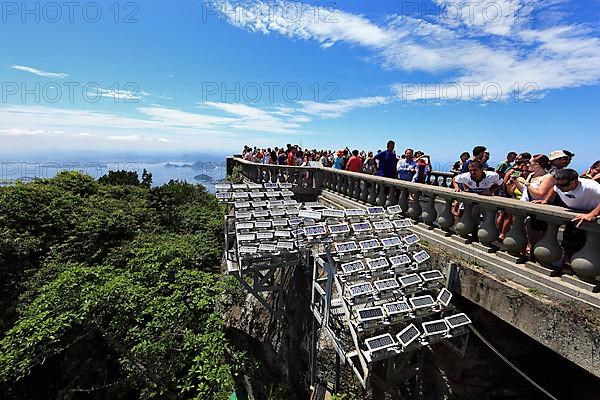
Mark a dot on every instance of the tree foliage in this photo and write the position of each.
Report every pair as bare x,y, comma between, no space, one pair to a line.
111,290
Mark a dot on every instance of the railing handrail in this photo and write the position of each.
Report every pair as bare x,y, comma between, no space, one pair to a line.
549,212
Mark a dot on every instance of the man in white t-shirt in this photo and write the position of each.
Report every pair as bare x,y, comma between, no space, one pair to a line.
477,180
576,193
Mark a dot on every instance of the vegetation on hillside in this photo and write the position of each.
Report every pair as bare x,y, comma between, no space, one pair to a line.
110,289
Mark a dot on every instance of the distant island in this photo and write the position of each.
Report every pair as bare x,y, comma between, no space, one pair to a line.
197,165
204,178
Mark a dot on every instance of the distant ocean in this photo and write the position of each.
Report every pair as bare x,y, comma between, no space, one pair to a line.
198,172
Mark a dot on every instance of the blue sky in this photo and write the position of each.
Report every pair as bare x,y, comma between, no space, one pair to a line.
441,76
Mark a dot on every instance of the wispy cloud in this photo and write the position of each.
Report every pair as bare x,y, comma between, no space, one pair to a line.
38,72
491,43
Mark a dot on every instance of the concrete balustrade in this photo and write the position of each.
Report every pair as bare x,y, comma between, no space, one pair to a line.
432,205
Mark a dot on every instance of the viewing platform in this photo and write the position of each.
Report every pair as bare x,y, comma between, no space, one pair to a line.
561,312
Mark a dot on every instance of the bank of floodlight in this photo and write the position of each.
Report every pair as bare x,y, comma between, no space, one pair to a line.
444,297
408,335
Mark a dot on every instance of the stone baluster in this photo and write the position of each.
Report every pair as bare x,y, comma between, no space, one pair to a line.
429,213
372,193
446,218
466,225
488,232
274,175
586,262
392,199
380,201
415,206
364,190
350,186
291,175
548,249
319,177
357,186
344,185
403,200
515,240
281,177
338,182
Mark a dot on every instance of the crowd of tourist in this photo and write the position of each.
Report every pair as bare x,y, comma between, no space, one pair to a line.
539,178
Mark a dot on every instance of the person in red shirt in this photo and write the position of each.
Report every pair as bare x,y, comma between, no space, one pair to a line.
291,158
354,164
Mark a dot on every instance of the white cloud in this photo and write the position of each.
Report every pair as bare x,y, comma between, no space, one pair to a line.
484,42
39,72
340,107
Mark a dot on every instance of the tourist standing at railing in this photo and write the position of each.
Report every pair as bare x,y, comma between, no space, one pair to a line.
370,165
407,166
338,161
477,156
387,161
457,167
507,164
560,159
291,157
485,183
593,172
423,167
354,164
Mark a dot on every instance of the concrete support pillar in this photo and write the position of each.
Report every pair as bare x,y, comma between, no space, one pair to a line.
548,249
515,240
415,206
586,262
446,219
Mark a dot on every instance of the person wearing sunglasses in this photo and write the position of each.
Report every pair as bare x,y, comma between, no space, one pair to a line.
577,193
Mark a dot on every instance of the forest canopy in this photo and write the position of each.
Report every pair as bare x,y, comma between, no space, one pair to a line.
110,288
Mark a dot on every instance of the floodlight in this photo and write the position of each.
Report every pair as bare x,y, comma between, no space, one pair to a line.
314,230
375,211
257,195
241,204
261,213
360,289
432,328
259,204
294,221
246,237
290,202
285,245
408,335
421,302
316,215
283,234
444,297
391,241
244,225
243,215
239,186
333,213
420,257
382,225
262,224
386,285
378,263
409,280
353,267
345,247
411,239
267,247
432,276
255,186
224,195
457,320
222,186
370,244
240,195
338,229
275,203
380,342
394,209
272,195
403,223
397,308
370,314
277,212
248,250
362,227
279,222
264,235
355,212
270,185
285,185
400,260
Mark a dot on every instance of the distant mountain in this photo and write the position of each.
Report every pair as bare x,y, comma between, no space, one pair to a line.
207,166
204,178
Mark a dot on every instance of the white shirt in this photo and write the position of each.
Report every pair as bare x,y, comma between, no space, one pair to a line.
585,197
490,179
